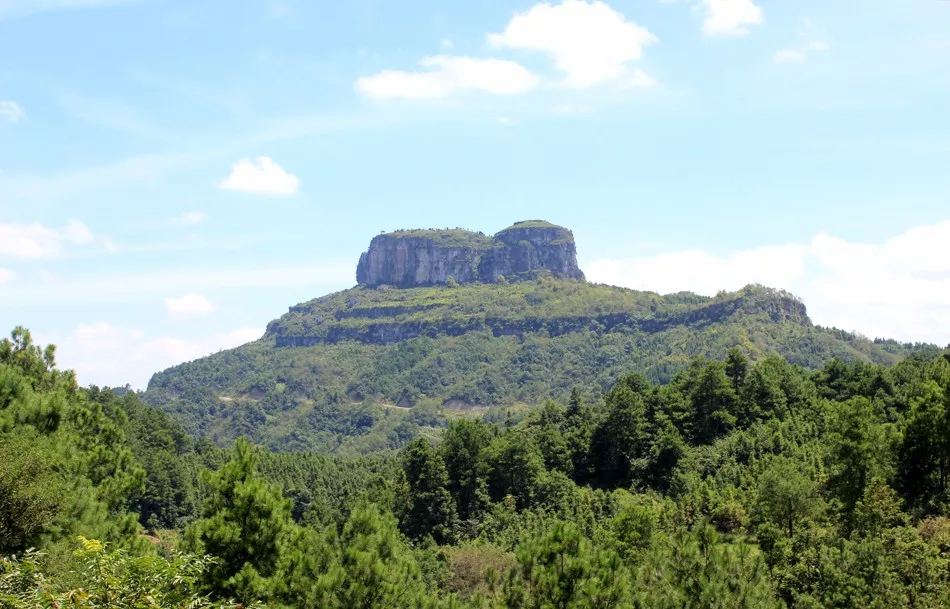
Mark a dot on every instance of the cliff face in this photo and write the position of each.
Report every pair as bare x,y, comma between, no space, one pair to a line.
416,260
527,247
380,317
430,257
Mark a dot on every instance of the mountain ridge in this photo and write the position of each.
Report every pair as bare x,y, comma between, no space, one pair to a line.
451,319
336,393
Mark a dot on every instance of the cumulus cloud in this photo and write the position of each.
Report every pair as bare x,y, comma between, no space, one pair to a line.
896,289
38,241
262,176
108,354
11,111
590,42
810,41
6,276
189,305
730,17
447,74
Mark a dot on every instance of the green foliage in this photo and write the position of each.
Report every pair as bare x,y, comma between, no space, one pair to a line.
31,492
110,579
375,568
560,568
64,466
743,483
621,439
244,521
431,509
463,450
787,495
361,357
446,237
695,569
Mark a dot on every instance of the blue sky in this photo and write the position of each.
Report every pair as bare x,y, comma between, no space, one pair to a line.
174,174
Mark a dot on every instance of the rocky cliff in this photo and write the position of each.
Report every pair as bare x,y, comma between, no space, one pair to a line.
431,257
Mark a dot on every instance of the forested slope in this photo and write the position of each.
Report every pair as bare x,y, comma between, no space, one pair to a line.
338,372
734,485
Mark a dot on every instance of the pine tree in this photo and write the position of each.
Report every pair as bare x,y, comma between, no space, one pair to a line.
431,508
714,405
560,568
373,568
786,495
737,367
621,438
463,451
514,467
244,522
853,443
924,453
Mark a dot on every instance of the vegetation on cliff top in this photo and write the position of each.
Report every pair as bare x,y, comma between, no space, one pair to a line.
532,224
462,237
446,237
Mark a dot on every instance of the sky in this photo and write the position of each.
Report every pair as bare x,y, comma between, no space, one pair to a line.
175,174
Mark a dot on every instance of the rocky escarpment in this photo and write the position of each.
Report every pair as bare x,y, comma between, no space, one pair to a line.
387,325
432,257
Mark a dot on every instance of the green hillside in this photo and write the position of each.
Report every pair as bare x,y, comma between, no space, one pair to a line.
364,370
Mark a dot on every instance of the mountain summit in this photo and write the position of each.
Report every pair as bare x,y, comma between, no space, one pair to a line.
445,322
415,258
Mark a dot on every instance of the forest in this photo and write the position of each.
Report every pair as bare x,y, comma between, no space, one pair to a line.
735,484
480,346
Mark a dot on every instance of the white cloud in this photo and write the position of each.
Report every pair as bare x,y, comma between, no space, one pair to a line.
810,40
447,74
790,55
897,289
189,305
189,218
730,17
38,241
113,355
7,276
590,42
11,111
261,175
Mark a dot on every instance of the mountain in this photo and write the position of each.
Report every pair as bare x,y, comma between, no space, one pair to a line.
412,258
449,321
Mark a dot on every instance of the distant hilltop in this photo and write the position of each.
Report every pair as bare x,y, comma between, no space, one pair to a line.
425,257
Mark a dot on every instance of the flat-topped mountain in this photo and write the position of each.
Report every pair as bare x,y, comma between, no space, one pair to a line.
413,258
365,369
444,320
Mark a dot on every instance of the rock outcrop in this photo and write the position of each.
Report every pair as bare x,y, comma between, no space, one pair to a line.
431,257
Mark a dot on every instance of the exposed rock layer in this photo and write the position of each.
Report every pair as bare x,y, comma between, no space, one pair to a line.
432,257
393,324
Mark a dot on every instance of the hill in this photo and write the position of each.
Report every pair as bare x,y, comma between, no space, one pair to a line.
367,369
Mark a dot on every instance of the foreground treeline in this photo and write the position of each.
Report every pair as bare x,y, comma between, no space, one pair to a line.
735,485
